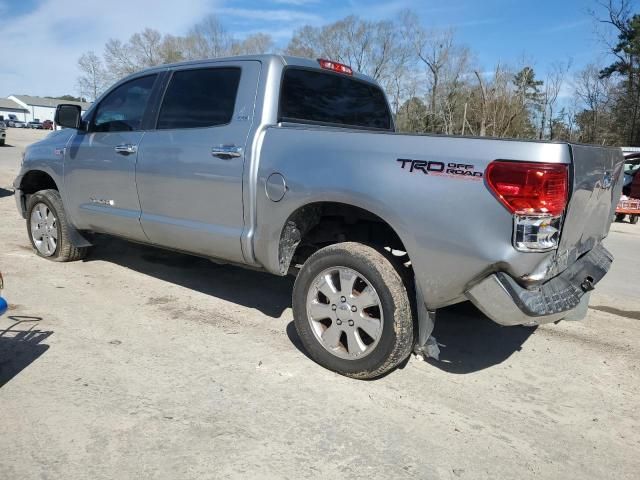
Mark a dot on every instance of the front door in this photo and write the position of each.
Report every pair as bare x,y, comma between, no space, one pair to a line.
100,163
189,171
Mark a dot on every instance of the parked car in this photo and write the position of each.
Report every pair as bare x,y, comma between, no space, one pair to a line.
631,184
293,166
36,124
629,205
4,306
16,123
47,125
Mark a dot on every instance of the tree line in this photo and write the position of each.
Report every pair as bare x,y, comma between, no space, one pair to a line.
433,82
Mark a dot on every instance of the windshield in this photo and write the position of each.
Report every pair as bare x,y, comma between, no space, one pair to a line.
631,168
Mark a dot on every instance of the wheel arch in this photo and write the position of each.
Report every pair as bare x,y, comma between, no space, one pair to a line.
321,223
31,182
35,180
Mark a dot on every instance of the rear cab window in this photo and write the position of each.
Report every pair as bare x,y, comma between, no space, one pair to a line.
324,98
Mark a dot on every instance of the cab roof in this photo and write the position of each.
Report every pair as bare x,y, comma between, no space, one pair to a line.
268,59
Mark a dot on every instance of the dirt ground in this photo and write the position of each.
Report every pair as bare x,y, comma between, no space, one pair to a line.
141,363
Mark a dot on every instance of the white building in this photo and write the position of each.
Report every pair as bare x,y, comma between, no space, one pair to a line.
41,108
9,107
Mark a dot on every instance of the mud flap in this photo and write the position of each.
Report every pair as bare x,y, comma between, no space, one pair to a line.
77,239
426,346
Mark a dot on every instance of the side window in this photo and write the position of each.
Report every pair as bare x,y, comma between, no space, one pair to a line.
122,109
199,98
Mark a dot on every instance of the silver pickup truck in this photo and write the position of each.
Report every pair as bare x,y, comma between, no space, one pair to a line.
293,166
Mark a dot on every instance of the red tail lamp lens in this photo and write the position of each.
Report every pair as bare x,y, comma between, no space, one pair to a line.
530,188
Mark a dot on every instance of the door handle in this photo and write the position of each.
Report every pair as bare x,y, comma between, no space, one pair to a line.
126,149
226,152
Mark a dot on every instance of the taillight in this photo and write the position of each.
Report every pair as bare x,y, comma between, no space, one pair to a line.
335,66
530,188
537,194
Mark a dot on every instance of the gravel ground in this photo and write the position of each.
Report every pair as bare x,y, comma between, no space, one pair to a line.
141,363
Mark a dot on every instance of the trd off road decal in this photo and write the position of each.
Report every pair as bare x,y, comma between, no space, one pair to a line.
454,170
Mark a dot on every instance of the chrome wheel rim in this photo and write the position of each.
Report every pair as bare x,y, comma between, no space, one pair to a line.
44,229
345,313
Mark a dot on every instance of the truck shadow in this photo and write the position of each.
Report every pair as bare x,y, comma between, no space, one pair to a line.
5,193
633,315
267,293
469,341
20,345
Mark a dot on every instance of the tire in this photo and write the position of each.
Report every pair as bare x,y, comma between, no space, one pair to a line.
619,217
50,201
633,219
2,143
390,323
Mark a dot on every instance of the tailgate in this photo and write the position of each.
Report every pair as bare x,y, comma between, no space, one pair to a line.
596,188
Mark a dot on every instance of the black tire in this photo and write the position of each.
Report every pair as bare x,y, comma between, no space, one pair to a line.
619,217
633,219
397,337
65,251
1,143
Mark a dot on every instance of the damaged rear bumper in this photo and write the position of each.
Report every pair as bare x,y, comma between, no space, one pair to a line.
504,301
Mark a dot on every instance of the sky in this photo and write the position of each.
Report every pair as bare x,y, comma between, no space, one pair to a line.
41,40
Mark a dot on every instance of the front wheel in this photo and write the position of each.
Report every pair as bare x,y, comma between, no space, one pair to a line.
352,311
48,228
633,219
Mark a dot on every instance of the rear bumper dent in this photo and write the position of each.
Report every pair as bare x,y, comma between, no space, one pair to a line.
504,301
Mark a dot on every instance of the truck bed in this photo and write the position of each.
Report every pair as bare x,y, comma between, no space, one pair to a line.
431,190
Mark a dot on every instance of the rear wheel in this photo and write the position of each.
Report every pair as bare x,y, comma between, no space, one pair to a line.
633,219
619,217
352,311
48,228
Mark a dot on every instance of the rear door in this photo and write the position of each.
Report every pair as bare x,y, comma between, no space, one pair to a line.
99,167
189,171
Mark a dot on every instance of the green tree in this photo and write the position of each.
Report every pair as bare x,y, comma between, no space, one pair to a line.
528,99
626,67
70,98
412,116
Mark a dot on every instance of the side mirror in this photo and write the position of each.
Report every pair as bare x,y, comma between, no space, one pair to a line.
68,116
